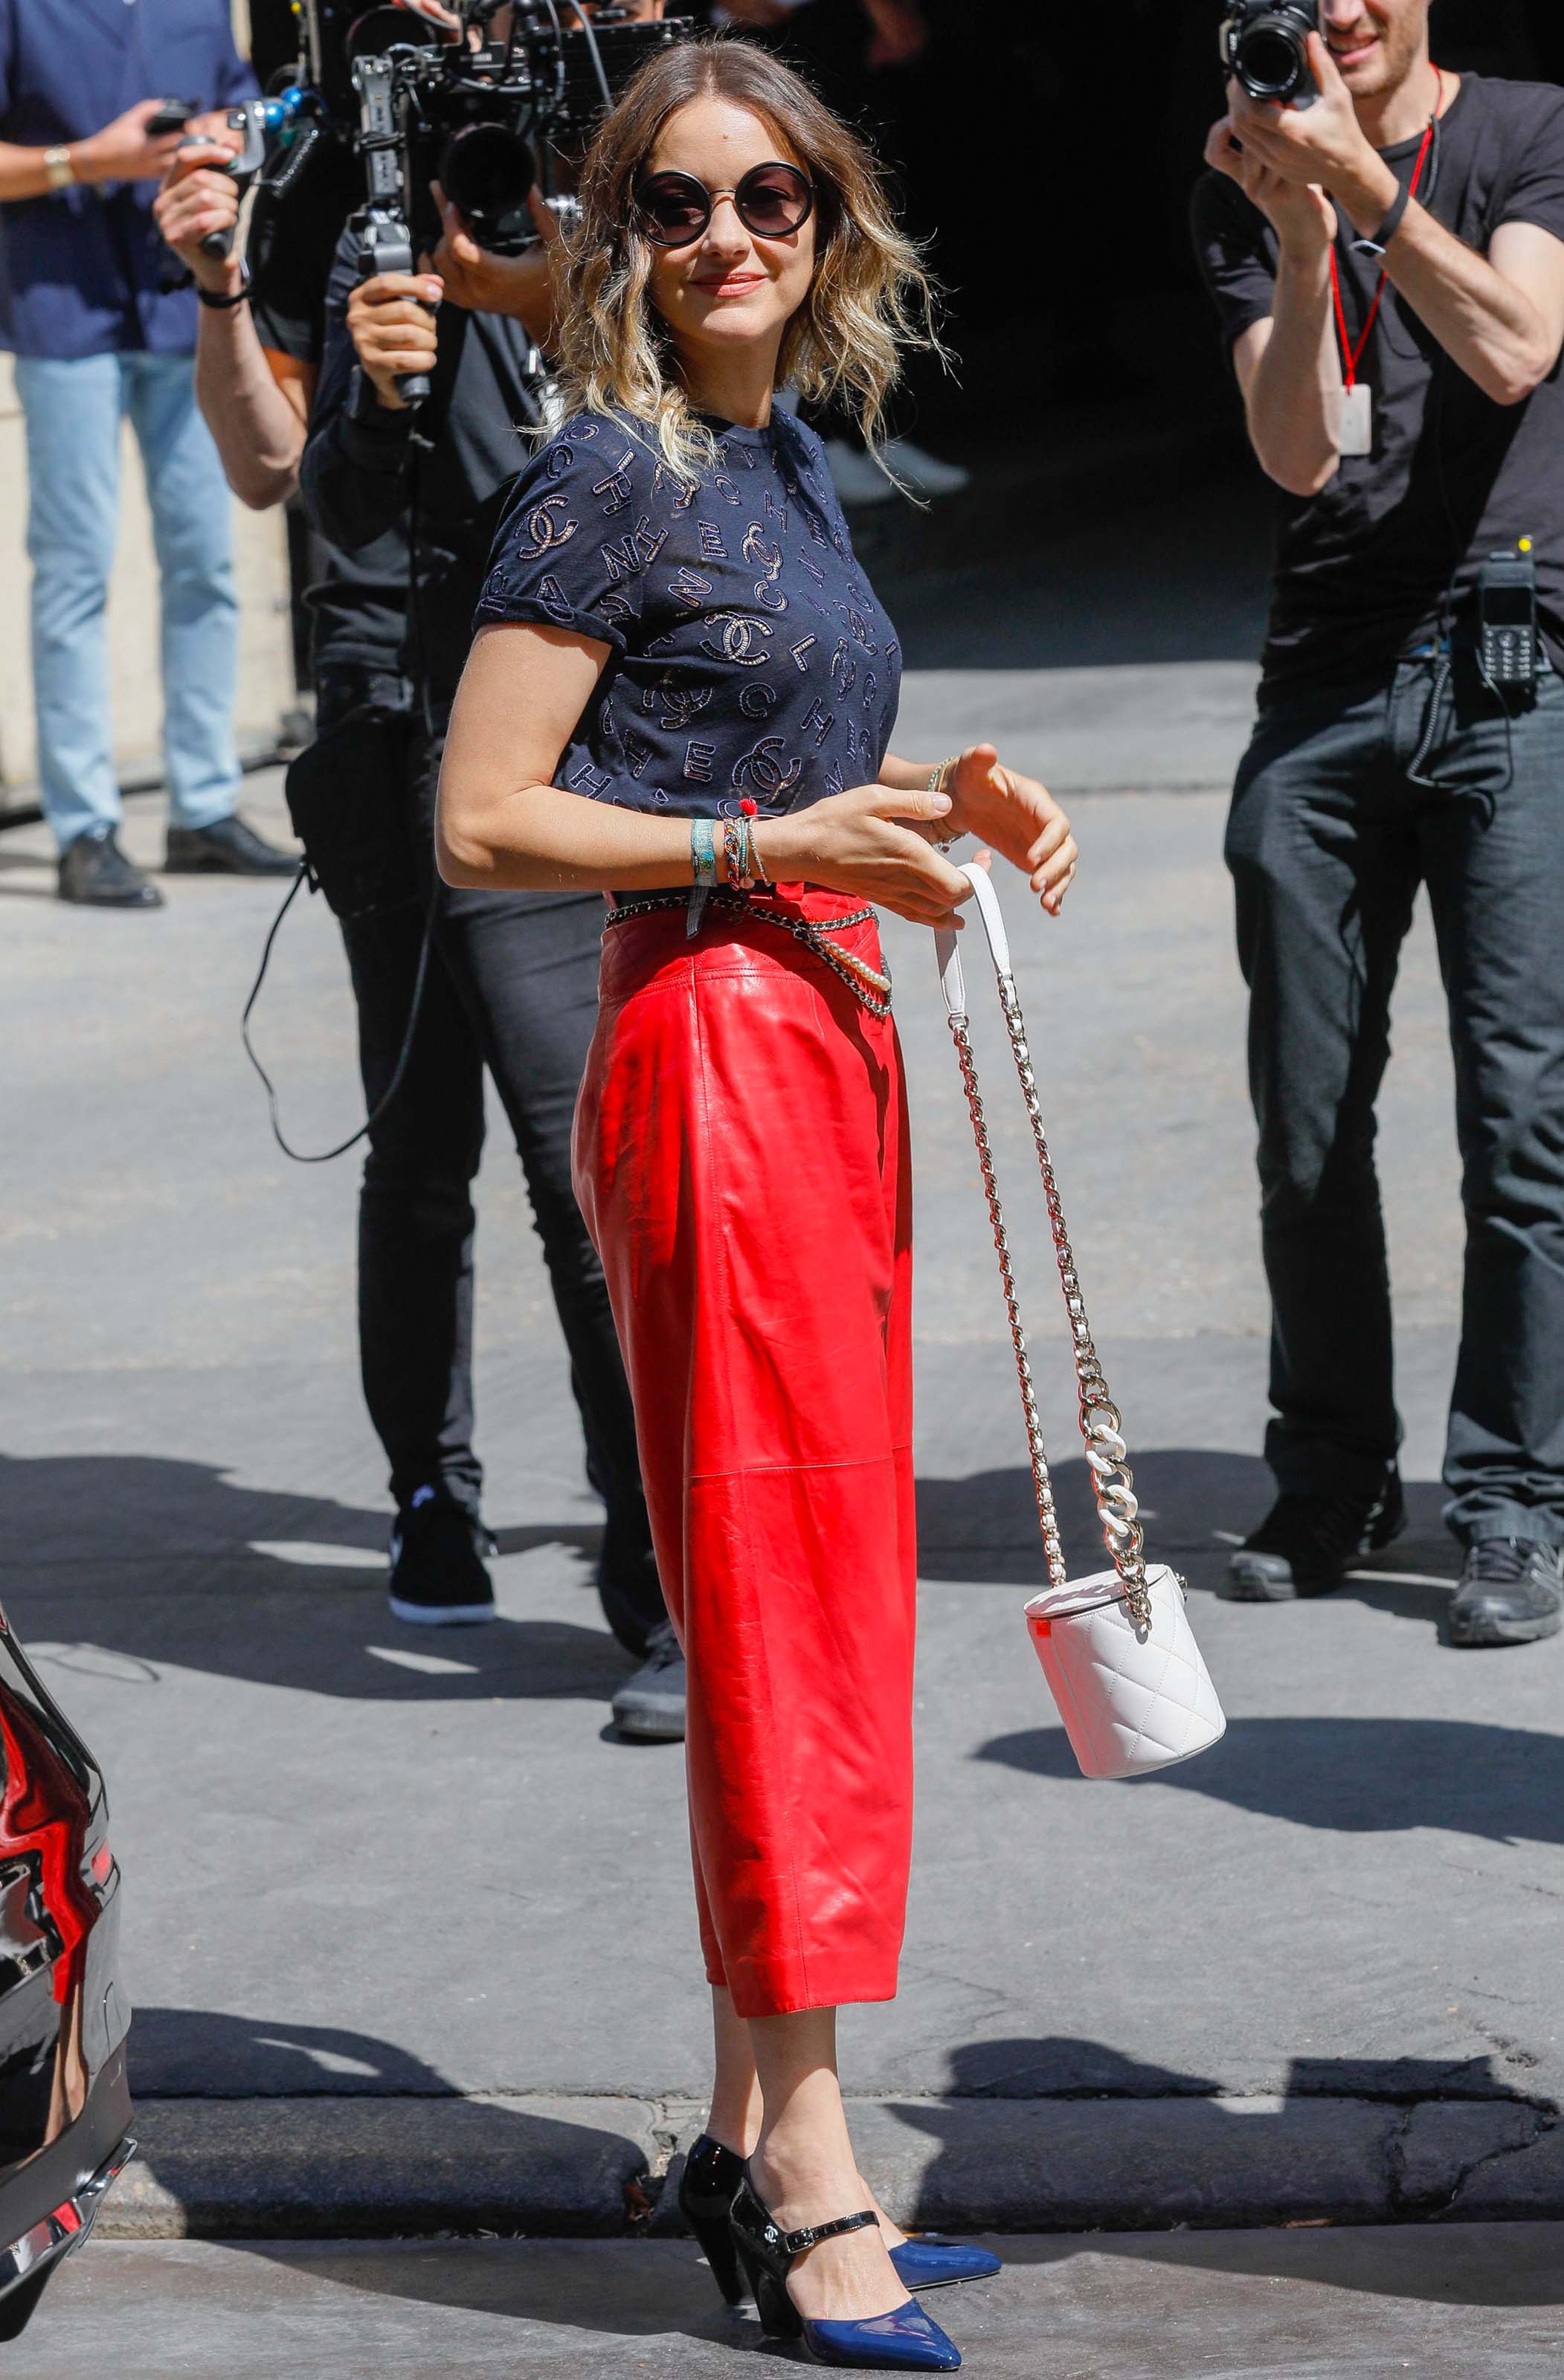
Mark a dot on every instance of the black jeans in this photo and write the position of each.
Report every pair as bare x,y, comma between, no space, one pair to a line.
512,986
1329,840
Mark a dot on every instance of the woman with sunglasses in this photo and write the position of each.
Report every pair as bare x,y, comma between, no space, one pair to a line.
682,692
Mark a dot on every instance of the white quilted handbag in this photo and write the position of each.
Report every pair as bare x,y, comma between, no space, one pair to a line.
1117,1648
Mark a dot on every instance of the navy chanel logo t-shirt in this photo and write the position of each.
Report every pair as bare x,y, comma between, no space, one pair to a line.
748,655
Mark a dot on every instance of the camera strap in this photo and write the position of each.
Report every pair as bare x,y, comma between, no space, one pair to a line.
1356,432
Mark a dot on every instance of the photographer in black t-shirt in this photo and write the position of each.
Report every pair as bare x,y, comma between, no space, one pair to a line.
511,982
1389,264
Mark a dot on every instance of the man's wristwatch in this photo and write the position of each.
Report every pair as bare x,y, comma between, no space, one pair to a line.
60,167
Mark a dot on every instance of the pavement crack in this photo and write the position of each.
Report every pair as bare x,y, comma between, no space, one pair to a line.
1412,2205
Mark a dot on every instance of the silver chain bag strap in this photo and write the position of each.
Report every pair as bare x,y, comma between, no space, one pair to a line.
1117,1648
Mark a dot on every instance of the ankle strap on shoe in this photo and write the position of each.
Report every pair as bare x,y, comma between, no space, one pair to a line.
795,2243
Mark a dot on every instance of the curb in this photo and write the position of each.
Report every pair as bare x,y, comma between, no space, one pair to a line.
357,2167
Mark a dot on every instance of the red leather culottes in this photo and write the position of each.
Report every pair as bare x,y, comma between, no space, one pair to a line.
742,1161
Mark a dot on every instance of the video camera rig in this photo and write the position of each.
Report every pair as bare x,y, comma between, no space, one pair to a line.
475,112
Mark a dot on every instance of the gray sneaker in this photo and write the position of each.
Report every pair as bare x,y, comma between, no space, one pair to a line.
1512,1592
649,1706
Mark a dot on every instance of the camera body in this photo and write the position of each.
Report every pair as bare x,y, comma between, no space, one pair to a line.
471,111
1266,48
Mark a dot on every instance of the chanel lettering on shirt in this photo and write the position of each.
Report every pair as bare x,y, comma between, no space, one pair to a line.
748,656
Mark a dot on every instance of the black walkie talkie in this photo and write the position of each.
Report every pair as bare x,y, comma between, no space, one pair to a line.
1507,592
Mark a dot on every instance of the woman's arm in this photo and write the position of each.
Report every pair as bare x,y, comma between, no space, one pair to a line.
503,824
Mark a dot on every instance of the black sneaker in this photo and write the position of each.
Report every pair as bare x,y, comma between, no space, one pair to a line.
95,872
437,1574
226,847
1510,1593
1305,1543
649,1706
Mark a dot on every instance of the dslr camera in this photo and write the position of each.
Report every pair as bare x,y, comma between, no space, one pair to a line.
1266,49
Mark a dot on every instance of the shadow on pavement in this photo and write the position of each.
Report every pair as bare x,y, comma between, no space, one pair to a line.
136,1561
1279,2151
477,2144
1355,1775
1194,1503
1444,2265
140,1560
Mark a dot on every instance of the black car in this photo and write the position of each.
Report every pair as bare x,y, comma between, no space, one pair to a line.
65,2103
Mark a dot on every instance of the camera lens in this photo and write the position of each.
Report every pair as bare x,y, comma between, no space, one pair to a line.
1272,63
486,173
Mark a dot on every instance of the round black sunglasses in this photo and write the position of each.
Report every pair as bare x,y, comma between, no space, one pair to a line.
770,201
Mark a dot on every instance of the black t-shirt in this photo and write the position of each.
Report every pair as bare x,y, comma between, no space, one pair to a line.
748,655
1362,568
443,471
358,601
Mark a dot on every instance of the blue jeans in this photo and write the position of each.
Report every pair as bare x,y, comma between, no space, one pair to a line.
73,411
1346,802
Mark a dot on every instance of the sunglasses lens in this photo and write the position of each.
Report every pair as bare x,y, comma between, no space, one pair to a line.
673,209
774,200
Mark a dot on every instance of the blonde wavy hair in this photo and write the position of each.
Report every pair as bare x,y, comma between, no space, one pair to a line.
869,301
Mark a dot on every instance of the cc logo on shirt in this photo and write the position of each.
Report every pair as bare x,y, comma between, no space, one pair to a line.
739,633
767,769
549,527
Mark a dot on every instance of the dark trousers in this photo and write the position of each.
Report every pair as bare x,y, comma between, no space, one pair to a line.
512,987
1329,840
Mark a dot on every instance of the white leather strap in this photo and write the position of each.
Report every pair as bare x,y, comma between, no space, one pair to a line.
947,944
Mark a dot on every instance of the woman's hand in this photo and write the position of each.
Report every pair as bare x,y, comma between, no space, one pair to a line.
1015,815
866,843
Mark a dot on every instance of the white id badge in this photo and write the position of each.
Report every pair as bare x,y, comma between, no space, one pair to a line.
1356,432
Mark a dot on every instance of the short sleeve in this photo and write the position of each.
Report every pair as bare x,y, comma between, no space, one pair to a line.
1231,249
578,535
1536,191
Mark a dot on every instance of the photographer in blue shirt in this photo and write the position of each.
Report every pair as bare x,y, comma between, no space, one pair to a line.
95,339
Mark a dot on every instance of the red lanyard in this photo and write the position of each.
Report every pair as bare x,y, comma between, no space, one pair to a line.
1352,357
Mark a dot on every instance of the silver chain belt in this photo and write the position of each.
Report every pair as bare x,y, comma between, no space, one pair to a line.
1101,1426
868,985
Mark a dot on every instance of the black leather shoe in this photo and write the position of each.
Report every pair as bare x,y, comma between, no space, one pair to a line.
650,1706
437,1574
226,847
1305,1544
95,872
1510,1593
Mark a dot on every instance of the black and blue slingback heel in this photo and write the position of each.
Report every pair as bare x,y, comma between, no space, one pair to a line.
904,2340
710,2182
707,2187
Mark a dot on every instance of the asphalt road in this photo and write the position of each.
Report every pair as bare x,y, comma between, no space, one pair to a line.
1295,2305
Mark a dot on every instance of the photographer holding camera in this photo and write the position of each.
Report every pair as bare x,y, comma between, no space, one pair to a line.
510,980
1385,244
